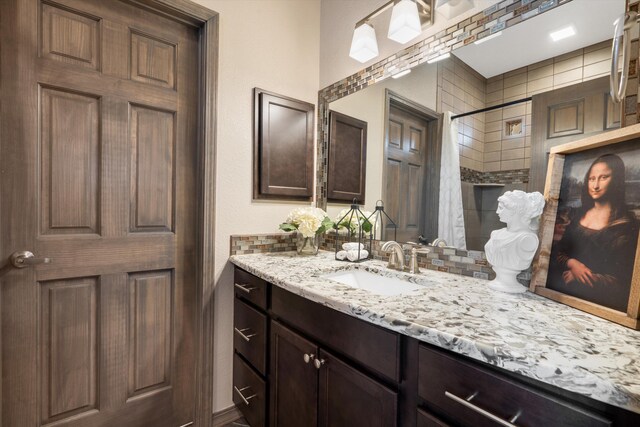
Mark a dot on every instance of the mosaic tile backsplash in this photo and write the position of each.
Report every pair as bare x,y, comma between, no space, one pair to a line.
450,260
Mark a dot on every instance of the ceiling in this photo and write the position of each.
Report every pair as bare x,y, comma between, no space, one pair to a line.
529,42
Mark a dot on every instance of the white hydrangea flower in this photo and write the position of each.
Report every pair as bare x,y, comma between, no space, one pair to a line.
307,220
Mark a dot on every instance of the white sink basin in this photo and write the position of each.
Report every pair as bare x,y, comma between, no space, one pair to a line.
373,282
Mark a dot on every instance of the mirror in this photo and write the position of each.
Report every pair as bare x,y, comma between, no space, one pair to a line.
496,148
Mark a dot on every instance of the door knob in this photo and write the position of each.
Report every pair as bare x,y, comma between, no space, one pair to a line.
308,357
318,363
22,259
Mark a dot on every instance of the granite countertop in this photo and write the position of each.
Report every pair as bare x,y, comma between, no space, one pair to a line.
524,333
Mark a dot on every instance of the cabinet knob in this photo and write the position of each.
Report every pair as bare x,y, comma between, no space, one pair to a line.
308,357
319,362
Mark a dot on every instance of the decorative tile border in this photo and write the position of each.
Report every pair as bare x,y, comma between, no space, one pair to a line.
515,176
259,243
495,18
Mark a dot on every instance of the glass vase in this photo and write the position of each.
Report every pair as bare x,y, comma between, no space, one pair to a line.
307,245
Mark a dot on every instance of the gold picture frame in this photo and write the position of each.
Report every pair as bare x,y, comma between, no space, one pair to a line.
564,217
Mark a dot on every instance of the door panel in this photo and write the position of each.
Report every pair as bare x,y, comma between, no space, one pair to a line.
69,312
69,162
99,175
150,332
69,36
152,169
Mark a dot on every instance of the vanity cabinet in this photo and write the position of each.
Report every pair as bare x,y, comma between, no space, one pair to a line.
298,362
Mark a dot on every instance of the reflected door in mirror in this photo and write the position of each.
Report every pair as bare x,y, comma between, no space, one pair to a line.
405,164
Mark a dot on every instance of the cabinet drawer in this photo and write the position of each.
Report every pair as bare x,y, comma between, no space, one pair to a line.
426,419
249,393
373,347
250,335
472,395
250,288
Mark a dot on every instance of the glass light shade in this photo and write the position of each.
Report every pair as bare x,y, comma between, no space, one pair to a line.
405,22
364,45
452,8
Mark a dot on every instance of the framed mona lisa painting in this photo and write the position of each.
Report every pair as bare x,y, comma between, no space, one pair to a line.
589,256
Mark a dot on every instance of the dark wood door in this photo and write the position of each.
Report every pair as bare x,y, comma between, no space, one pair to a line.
405,165
97,140
349,398
293,380
565,115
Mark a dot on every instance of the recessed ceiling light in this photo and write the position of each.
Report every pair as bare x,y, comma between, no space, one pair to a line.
401,73
438,58
563,33
484,39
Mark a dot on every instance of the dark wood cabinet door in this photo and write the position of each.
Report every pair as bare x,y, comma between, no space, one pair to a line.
346,172
283,147
294,382
350,398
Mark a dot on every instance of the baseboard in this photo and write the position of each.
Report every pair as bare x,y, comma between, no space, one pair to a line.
226,416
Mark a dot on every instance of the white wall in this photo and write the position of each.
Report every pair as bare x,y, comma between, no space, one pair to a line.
368,105
338,22
273,45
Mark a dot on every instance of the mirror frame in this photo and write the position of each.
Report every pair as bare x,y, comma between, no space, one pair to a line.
445,41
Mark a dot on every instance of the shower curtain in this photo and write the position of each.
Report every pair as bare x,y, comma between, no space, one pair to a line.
450,211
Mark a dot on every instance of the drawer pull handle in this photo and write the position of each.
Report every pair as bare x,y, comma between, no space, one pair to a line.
467,402
244,399
308,357
244,288
241,332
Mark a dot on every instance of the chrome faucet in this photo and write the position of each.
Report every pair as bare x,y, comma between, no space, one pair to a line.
396,255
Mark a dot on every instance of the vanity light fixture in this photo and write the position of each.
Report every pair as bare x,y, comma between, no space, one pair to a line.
364,45
439,58
401,73
484,39
563,33
451,8
405,22
408,19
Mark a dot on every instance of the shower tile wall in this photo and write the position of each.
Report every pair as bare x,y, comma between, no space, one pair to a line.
502,152
461,89
484,144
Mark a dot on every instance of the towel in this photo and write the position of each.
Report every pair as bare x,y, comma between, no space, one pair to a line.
350,246
342,255
352,255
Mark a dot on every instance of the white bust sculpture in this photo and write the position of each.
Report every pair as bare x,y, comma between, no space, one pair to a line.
511,249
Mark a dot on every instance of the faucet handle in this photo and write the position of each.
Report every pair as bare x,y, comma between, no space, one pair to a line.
413,262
